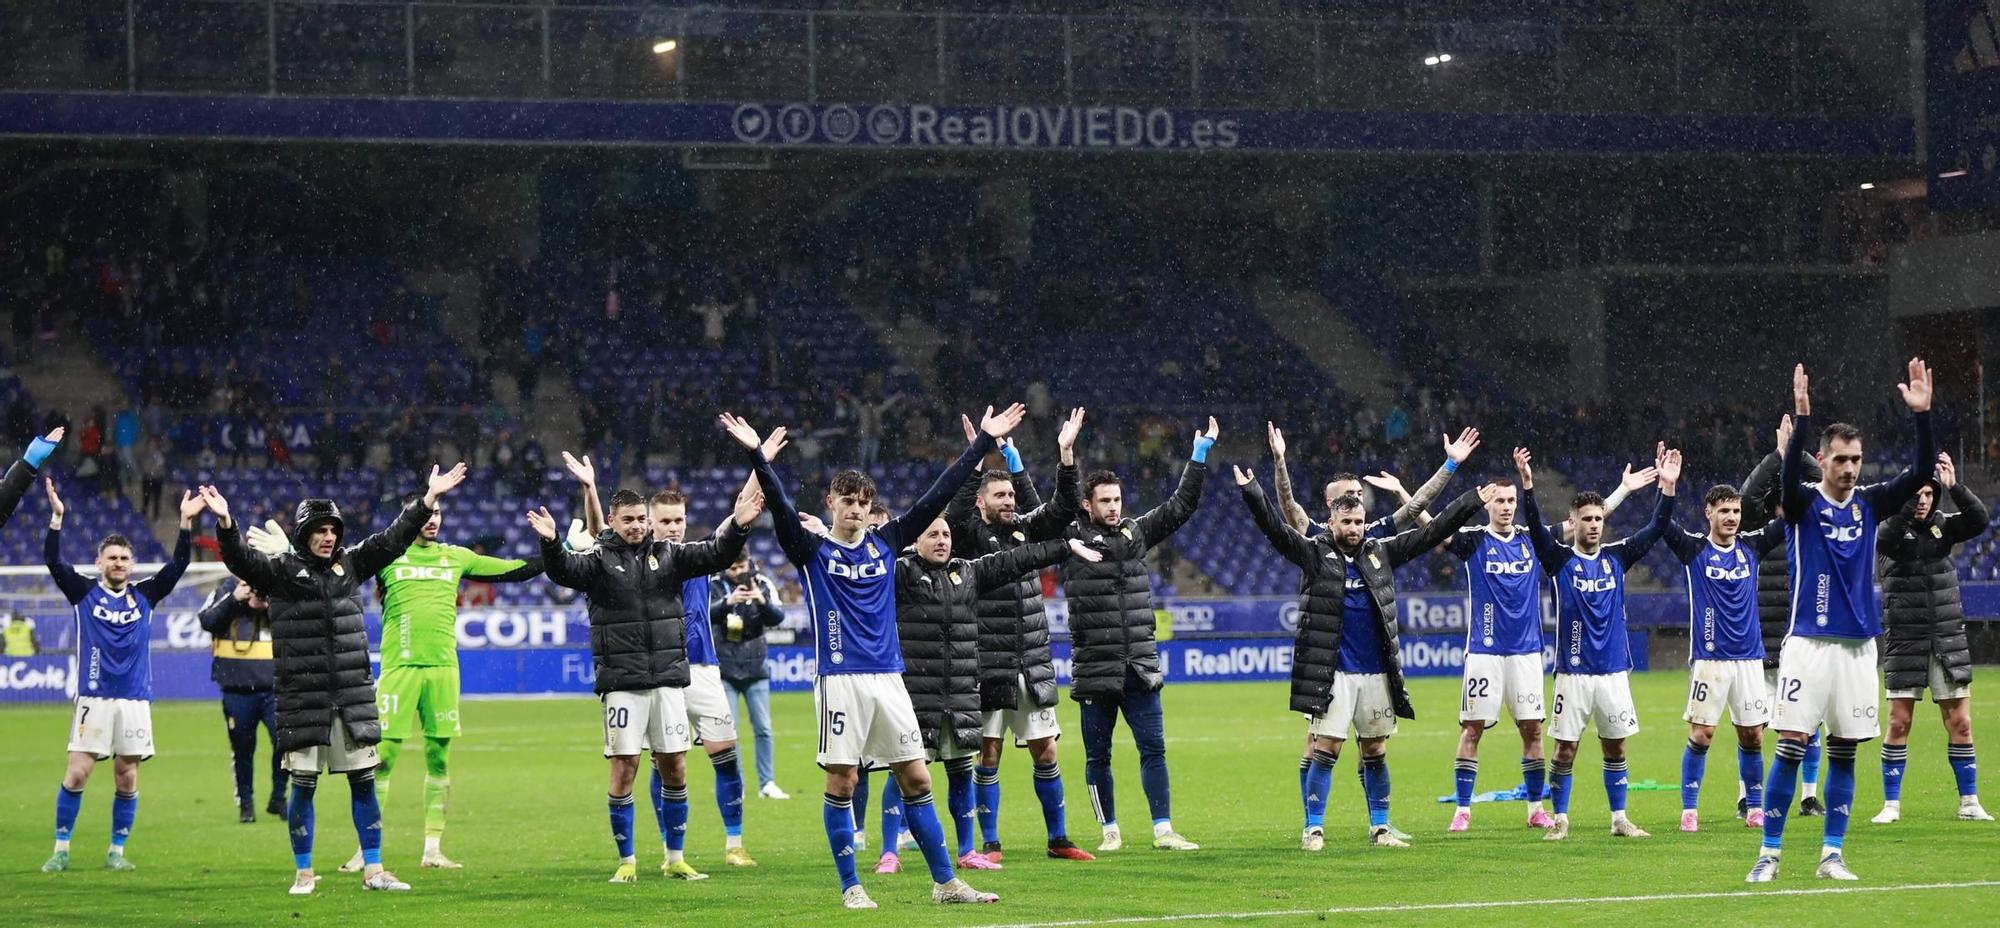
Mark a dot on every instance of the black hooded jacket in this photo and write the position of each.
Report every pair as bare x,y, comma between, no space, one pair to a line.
1013,620
318,641
1761,497
1111,624
638,622
1922,617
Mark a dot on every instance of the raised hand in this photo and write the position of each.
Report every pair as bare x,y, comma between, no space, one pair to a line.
1084,551
1214,431
212,497
1917,392
1802,394
1388,483
811,523
1523,465
740,430
1071,427
749,504
1487,492
1276,437
584,471
1000,423
1669,469
1459,450
1635,480
1243,477
1947,473
442,483
971,431
191,506
773,443
1784,433
55,435
543,523
268,538
56,508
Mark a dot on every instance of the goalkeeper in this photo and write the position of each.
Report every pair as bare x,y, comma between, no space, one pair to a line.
419,682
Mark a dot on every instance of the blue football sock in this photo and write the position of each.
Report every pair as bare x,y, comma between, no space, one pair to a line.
299,816
1750,769
838,816
1694,765
1049,789
124,808
958,798
986,789
729,791
1839,790
1319,783
674,822
657,794
367,813
1965,767
893,823
1559,778
621,823
68,803
1615,781
920,815
1305,770
860,801
1464,774
1375,785
1809,767
1895,760
1535,778
1779,788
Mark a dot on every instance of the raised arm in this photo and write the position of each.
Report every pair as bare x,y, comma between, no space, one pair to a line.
1050,519
1551,552
376,552
1456,451
995,570
1791,468
1642,541
565,568
21,475
586,475
1281,480
1971,519
1292,545
798,543
1900,489
222,607
72,584
718,551
1411,544
503,570
157,587
1167,518
903,529
262,571
1758,484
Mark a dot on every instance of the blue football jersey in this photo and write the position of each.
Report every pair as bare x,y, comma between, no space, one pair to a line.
1590,591
700,639
1833,541
1722,595
1360,627
850,590
114,630
1502,588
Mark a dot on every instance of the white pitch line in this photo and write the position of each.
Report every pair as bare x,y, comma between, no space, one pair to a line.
1495,904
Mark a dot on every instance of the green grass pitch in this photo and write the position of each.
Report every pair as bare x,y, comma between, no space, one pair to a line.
528,821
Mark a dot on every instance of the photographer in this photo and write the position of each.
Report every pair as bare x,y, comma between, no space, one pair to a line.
743,603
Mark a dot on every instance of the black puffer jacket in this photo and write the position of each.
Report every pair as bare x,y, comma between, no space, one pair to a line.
937,622
638,623
1111,602
318,641
1323,589
1922,618
1013,620
1774,572
13,486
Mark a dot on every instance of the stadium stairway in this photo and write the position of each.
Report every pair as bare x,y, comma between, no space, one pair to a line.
1331,340
70,377
553,421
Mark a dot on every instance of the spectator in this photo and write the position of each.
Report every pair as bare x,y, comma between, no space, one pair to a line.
743,603
152,470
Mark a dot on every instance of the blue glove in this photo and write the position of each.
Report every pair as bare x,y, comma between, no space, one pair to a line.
38,451
1013,458
1201,445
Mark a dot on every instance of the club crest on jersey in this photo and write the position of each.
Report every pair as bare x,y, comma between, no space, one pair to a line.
652,562
1937,532
1374,561
954,578
872,551
338,570
1854,510
1019,537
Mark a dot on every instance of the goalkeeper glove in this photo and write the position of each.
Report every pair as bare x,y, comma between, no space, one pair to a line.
269,539
579,540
